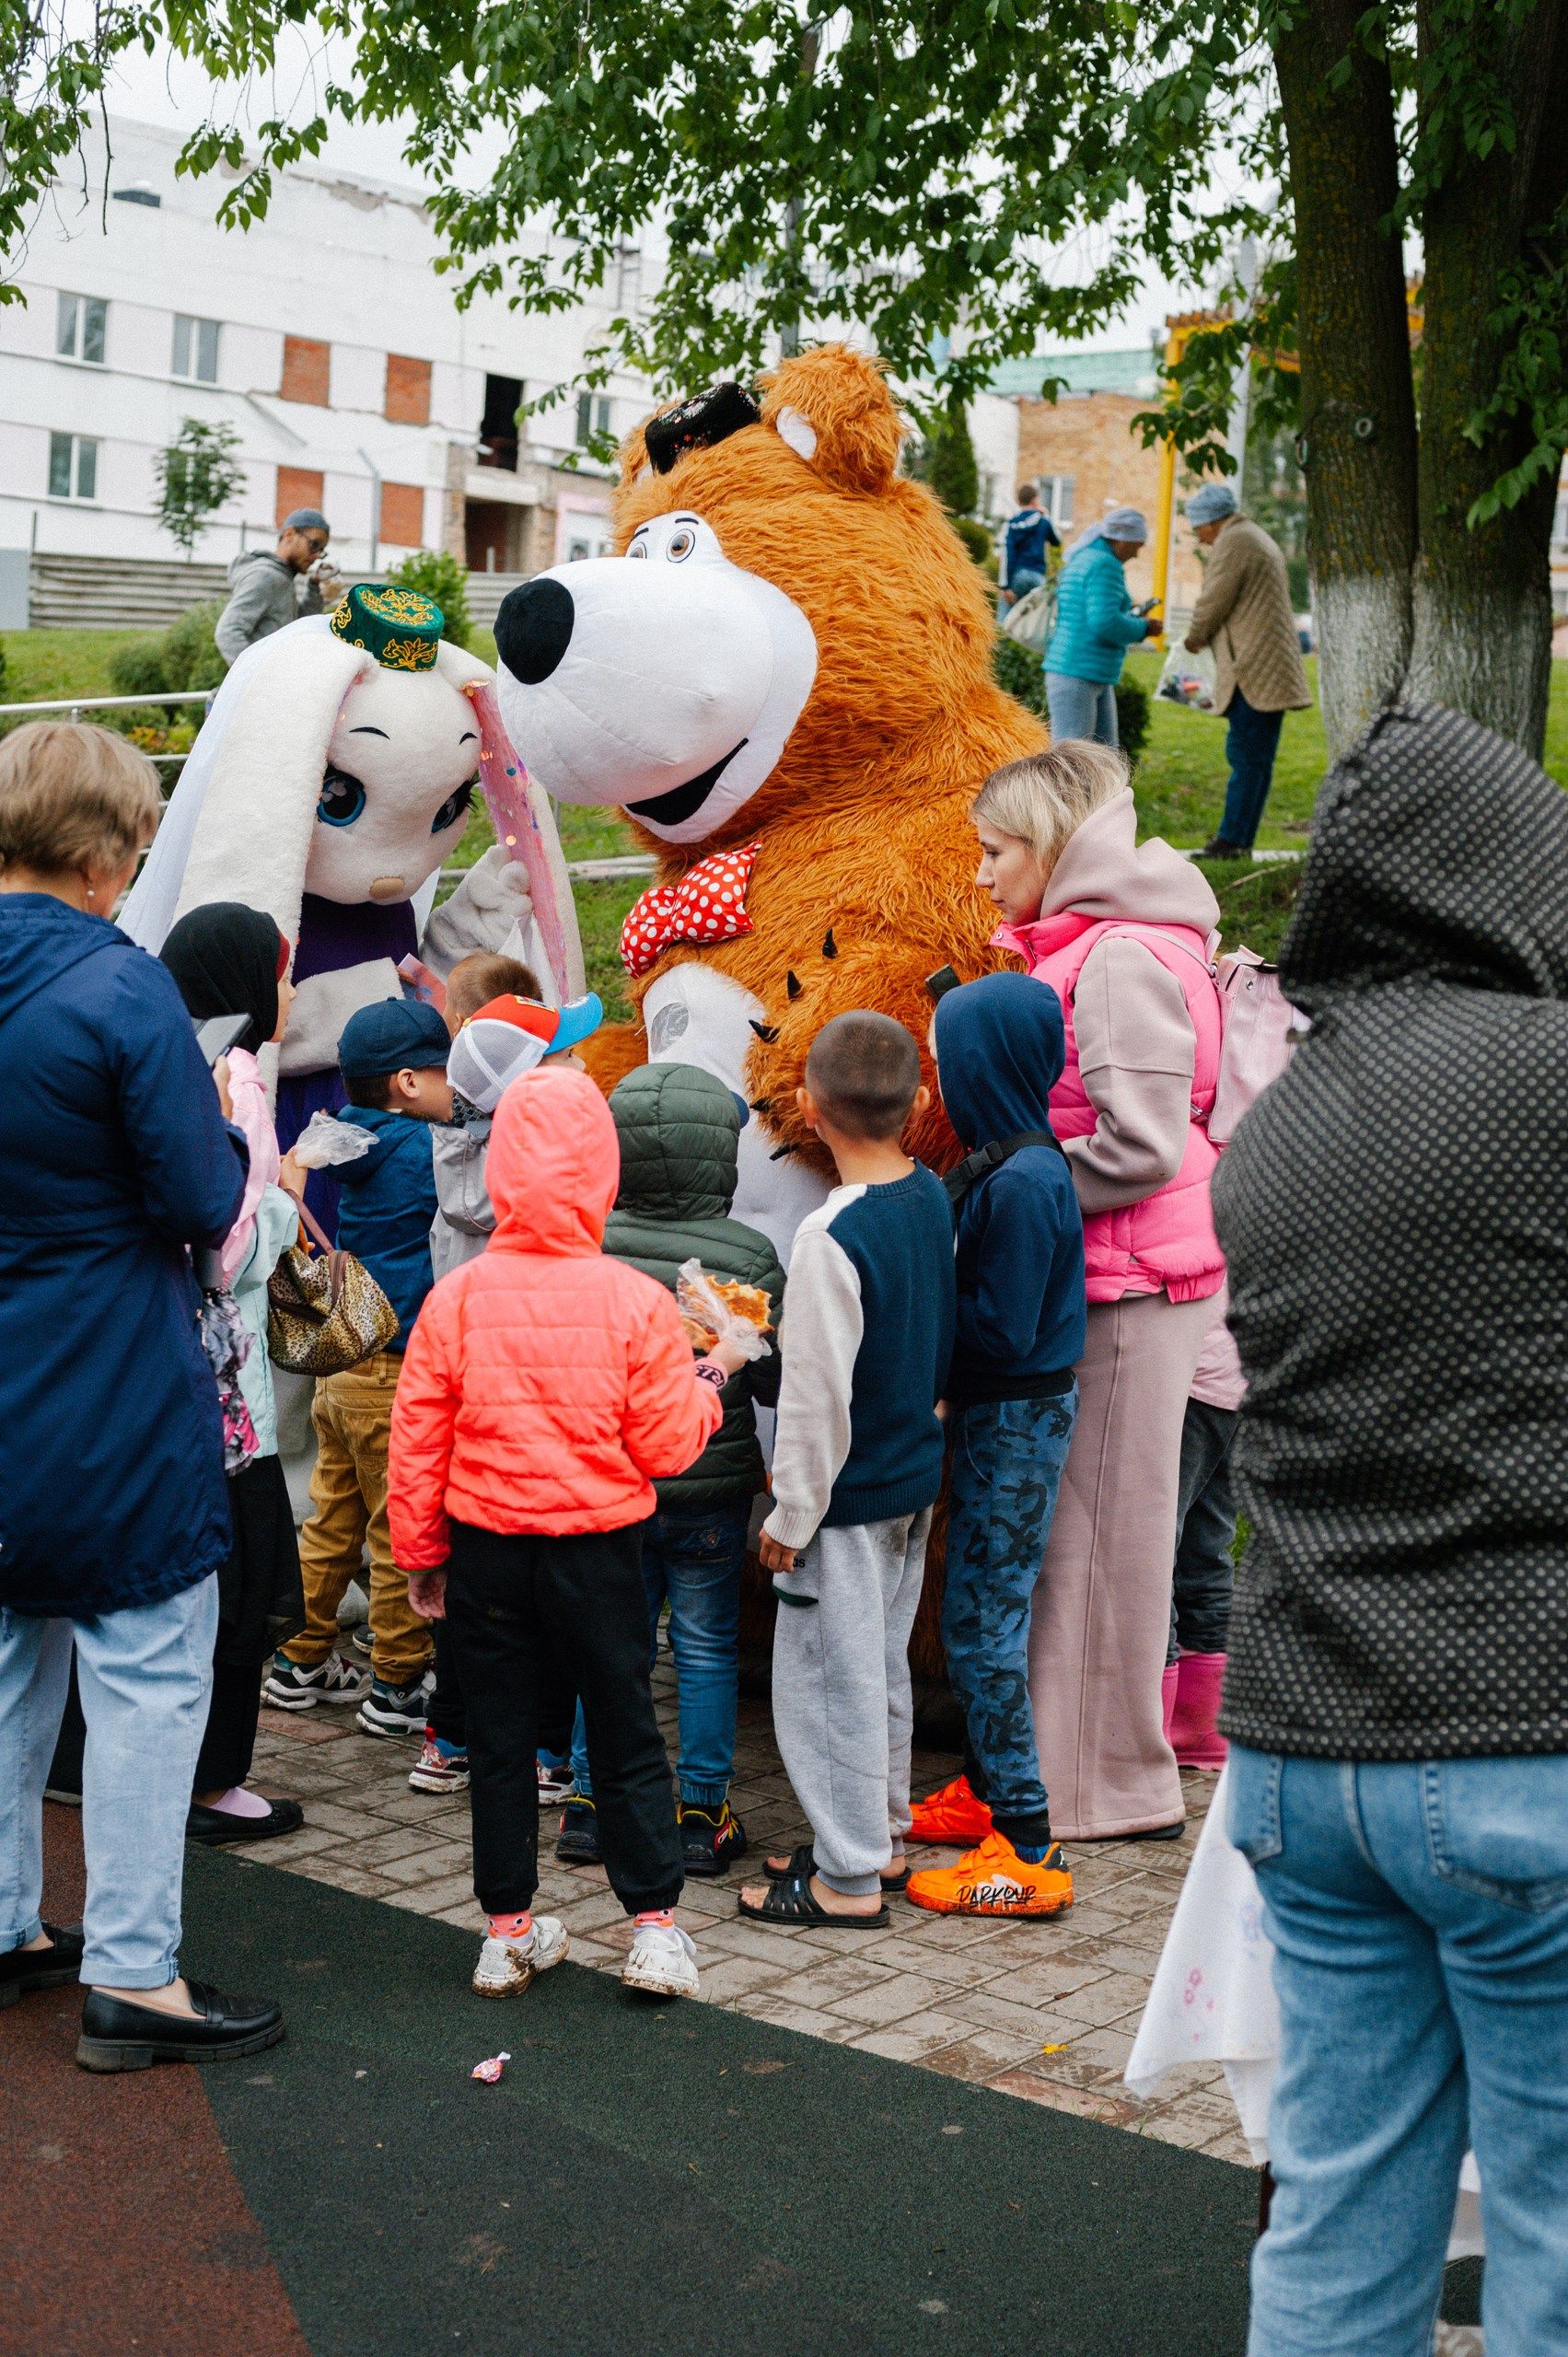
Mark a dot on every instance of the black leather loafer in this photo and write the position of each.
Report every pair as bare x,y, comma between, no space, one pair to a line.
27,1968
117,2035
215,1825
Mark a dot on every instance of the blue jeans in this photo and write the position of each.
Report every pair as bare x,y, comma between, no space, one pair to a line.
1081,708
1251,740
1420,1918
693,1558
1008,1457
144,1675
1206,1532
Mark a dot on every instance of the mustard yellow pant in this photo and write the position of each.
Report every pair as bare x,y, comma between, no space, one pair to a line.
352,1416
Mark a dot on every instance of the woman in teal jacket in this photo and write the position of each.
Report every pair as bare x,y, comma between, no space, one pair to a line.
1095,624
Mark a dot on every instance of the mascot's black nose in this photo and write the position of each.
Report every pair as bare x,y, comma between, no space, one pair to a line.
533,629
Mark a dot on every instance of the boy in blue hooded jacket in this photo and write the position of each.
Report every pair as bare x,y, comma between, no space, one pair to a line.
1013,1402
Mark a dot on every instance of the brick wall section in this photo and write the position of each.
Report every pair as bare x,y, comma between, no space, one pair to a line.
402,515
298,487
307,371
407,390
1089,436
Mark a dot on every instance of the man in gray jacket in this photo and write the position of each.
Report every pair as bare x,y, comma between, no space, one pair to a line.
263,584
1244,613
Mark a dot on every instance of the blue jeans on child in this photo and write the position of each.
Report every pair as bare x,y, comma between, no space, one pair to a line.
691,1558
1081,708
1419,1913
1008,1457
145,1677
1251,740
1206,1532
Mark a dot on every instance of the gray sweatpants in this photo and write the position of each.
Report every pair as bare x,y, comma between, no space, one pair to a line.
843,1716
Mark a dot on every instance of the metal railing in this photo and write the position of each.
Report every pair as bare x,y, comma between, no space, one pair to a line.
74,707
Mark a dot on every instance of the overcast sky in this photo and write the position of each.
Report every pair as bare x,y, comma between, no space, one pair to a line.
173,93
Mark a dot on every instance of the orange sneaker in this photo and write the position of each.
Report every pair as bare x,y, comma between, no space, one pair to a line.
955,1814
993,1880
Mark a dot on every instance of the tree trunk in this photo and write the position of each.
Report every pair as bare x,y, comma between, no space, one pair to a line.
1483,602
1356,366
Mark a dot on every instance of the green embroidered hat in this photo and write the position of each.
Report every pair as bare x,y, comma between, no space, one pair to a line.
401,627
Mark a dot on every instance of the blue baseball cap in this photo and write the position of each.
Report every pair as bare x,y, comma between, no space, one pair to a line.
396,1035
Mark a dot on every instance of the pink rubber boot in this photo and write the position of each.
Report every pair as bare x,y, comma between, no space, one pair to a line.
1191,1731
1169,1682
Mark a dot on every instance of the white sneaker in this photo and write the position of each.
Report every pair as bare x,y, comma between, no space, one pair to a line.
507,1967
662,1962
289,1687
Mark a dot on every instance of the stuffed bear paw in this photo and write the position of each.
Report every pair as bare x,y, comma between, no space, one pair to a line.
491,898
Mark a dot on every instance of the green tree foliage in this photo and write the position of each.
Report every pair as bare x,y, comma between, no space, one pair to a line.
184,656
953,473
196,475
442,577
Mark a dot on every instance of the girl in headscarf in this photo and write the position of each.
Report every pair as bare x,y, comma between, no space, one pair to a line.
228,960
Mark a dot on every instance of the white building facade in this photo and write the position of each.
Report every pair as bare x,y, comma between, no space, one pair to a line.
324,340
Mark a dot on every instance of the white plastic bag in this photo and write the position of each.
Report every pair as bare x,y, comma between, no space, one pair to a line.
325,1141
697,1298
1188,679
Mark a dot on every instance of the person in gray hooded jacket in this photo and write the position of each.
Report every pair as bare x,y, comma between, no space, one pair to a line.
1397,1694
263,584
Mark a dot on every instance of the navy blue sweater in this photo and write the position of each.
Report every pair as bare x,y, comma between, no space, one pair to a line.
388,1202
867,1335
1020,1234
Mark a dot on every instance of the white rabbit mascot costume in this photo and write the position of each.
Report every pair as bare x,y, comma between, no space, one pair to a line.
333,776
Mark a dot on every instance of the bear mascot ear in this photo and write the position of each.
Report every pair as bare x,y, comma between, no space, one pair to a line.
832,407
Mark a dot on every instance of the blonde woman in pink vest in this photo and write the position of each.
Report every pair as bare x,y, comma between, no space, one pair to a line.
1121,931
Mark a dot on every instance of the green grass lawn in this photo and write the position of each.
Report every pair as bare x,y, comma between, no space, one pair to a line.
1179,785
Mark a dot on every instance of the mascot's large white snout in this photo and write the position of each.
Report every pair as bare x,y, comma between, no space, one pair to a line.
666,681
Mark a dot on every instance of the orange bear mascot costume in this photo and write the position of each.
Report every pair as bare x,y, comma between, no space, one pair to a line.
784,677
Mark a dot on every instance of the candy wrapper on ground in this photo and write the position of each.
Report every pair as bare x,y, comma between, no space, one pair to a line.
323,1141
490,2070
714,1310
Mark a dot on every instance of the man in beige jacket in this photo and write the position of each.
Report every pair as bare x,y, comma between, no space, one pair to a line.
1244,613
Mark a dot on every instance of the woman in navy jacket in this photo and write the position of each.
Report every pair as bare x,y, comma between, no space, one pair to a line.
114,1159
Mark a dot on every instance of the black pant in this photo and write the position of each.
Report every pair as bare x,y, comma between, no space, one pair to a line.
1205,1530
229,1743
446,1713
512,1603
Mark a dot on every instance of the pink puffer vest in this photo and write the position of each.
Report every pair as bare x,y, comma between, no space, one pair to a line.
1165,1243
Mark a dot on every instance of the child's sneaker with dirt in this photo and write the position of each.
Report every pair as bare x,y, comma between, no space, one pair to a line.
506,1967
955,1814
290,1687
709,1837
662,1962
440,1767
995,1880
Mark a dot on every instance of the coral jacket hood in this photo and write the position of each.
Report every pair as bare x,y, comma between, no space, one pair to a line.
553,1164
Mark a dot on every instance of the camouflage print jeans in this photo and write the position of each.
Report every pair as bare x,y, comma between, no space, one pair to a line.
1008,1457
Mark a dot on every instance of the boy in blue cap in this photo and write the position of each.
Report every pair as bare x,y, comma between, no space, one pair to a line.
394,1060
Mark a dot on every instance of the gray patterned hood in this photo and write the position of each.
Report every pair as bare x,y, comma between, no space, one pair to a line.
1395,1215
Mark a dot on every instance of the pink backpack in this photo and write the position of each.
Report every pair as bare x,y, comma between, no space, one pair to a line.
1260,1031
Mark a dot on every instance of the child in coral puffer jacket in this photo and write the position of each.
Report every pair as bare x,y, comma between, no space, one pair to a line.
545,1388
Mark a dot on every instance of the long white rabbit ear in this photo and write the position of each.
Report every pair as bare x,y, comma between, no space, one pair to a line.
252,837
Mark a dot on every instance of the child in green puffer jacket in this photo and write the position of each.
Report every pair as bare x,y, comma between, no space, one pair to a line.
680,1131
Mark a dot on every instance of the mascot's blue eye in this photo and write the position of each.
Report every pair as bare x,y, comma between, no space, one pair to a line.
452,809
343,799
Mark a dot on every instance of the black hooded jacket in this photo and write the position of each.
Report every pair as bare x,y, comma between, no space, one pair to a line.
1394,1212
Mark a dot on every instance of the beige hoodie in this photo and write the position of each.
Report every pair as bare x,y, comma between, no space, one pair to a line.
1134,1037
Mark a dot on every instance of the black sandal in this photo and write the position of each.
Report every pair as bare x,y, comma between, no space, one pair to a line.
804,1862
791,1901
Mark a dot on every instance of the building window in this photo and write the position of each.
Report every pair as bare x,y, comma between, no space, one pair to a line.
498,432
307,371
298,487
196,349
72,467
628,277
1056,499
402,515
80,328
593,417
407,400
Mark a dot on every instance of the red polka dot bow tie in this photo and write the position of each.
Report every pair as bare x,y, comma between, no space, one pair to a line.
708,904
